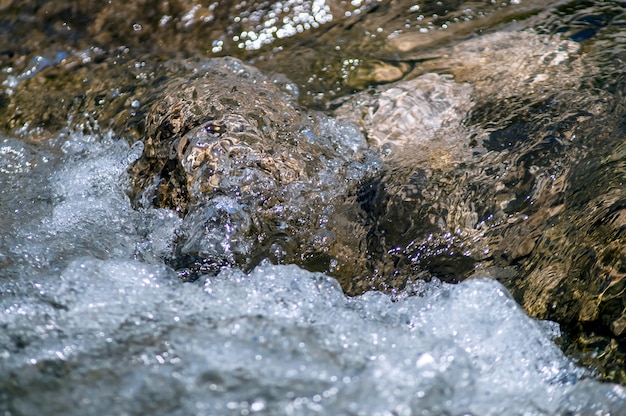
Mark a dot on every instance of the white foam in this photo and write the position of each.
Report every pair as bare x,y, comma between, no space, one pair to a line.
93,322
279,341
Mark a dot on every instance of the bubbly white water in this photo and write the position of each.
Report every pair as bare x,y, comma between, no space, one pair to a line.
93,322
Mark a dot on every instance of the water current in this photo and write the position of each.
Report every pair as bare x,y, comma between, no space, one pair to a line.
497,238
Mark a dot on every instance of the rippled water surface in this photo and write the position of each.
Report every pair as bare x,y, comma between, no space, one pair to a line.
455,244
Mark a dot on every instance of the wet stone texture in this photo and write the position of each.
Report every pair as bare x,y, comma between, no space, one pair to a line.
467,153
255,176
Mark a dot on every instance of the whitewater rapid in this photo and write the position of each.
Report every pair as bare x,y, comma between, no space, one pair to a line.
93,322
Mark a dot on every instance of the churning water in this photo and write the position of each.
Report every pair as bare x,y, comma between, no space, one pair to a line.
93,323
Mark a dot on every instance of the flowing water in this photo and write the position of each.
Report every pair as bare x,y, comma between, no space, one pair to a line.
497,240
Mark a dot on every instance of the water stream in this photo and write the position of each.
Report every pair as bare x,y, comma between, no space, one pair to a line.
485,228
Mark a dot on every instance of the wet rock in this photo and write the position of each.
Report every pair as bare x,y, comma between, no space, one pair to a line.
486,172
415,116
254,175
450,189
576,274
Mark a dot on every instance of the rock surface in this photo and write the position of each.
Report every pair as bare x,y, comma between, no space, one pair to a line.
254,175
487,174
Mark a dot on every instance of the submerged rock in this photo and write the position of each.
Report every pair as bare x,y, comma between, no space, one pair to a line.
575,274
254,175
460,151
489,173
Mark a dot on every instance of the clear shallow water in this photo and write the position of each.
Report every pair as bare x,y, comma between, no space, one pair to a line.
93,323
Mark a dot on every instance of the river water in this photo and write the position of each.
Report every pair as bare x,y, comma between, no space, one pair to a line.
96,321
